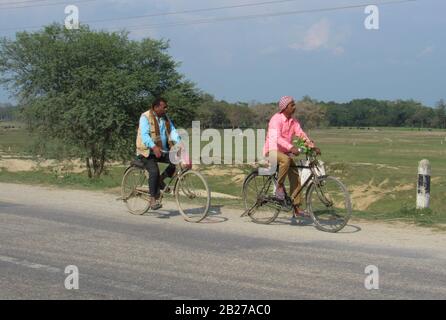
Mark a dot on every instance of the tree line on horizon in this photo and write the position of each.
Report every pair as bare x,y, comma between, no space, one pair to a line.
311,113
8,112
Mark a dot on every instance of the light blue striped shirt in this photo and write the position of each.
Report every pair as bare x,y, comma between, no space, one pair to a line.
144,125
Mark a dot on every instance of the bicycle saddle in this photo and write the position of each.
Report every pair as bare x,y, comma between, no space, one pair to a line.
137,163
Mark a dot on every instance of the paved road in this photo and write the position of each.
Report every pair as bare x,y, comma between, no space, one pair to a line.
121,256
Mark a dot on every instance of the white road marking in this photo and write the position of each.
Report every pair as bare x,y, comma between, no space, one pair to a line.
31,265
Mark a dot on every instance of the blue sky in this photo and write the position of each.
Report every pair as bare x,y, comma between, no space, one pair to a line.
328,55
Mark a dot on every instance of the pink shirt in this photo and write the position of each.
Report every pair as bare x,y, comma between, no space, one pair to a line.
281,131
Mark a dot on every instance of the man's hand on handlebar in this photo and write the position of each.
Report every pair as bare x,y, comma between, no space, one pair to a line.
295,151
157,151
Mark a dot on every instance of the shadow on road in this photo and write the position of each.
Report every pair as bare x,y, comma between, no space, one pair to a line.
162,214
307,222
213,215
348,227
303,222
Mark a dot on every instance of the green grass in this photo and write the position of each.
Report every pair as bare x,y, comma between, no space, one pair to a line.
71,180
379,166
14,140
387,160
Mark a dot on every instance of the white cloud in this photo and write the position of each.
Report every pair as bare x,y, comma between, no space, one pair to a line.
426,51
322,36
316,37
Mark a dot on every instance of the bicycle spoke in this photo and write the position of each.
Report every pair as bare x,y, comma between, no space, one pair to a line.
252,188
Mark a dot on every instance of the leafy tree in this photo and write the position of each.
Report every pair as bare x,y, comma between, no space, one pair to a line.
419,116
239,115
88,89
338,114
440,114
263,113
218,117
203,111
182,102
309,113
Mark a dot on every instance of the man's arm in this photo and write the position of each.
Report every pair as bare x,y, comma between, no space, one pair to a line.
144,125
301,134
174,136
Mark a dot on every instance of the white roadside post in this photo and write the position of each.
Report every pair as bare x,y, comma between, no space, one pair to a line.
424,184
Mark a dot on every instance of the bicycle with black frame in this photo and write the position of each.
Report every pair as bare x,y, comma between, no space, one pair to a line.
327,199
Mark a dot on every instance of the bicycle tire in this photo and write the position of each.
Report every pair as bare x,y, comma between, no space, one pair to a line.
189,196
258,212
137,202
329,197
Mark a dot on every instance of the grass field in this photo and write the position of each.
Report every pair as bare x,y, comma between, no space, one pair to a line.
379,166
14,139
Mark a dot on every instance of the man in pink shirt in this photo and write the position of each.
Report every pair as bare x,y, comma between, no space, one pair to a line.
281,129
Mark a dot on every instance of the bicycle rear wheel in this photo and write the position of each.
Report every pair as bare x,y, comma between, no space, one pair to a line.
329,204
192,196
257,190
134,190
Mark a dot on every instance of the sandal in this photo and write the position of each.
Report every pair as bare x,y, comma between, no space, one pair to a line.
299,213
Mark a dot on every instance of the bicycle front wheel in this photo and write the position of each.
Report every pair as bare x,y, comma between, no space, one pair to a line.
192,196
257,190
135,190
329,204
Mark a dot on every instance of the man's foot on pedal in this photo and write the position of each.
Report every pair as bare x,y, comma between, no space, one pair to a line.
154,204
299,213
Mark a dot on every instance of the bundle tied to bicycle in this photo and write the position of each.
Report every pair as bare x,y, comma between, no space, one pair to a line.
179,155
311,157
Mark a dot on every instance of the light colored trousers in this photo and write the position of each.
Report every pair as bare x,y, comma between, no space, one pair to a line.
285,162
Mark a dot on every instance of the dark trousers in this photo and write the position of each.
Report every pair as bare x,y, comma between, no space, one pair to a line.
151,165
